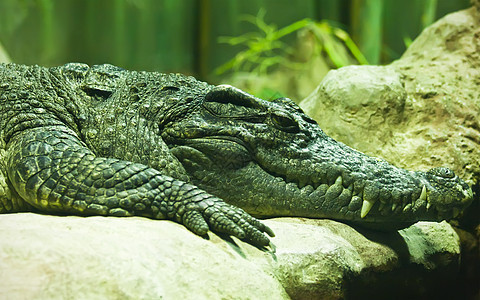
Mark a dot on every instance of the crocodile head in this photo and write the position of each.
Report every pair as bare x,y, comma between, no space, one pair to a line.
271,159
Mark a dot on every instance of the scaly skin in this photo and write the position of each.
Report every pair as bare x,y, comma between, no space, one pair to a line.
105,141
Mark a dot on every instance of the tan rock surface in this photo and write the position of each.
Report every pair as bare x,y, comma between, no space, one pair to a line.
52,257
421,111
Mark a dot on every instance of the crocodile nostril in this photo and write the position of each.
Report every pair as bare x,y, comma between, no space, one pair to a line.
442,172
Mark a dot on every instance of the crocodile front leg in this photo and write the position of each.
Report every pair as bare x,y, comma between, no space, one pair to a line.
54,171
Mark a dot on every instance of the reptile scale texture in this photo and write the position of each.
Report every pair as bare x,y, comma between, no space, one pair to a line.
105,141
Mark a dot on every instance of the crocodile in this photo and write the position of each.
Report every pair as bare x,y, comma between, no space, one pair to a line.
101,140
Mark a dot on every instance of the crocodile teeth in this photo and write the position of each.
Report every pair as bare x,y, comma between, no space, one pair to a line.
407,208
366,207
370,196
394,206
423,195
429,205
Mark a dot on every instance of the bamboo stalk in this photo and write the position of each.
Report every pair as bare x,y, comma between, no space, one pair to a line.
202,57
367,27
47,41
429,10
119,32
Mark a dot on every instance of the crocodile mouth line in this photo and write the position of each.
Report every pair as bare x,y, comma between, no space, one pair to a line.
346,194
361,201
210,138
357,200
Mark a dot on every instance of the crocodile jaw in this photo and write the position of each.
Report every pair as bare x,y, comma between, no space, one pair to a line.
323,190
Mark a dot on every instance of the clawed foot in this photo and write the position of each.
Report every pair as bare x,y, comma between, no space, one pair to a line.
206,212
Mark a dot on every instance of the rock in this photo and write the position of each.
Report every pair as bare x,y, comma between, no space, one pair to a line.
52,257
350,101
324,259
420,111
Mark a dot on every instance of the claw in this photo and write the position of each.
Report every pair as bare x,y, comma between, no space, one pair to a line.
269,231
272,247
212,213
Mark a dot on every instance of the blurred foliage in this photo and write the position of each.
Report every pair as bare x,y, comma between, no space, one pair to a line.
367,27
429,10
266,49
337,43
265,52
134,34
266,60
294,43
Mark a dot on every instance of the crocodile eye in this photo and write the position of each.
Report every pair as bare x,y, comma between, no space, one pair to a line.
442,172
285,123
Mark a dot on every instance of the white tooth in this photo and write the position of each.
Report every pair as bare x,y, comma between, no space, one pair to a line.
407,208
366,207
394,206
423,195
429,205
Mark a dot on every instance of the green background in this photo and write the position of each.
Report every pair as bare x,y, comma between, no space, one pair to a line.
182,35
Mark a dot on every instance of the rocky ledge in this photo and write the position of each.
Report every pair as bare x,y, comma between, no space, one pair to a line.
52,257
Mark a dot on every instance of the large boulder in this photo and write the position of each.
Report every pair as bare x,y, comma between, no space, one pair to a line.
52,257
423,110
